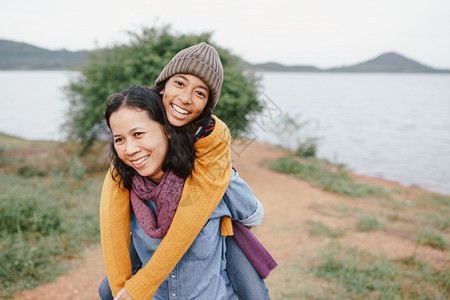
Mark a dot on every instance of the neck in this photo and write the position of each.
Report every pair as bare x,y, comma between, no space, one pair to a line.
156,179
191,129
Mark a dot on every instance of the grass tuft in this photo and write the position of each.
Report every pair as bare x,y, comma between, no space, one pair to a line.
368,223
319,229
329,178
433,239
364,275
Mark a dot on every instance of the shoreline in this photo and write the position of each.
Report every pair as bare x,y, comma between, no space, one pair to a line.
356,175
370,178
398,184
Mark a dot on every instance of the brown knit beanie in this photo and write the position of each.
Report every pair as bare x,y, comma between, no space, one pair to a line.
201,60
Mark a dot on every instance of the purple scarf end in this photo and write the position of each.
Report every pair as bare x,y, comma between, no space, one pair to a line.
259,257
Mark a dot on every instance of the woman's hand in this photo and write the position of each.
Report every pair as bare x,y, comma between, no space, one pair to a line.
123,295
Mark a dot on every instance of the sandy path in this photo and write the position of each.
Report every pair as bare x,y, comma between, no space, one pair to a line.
80,283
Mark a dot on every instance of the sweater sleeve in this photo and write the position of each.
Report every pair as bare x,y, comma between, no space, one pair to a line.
202,192
115,232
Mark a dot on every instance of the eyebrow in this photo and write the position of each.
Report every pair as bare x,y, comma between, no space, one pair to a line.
200,86
137,128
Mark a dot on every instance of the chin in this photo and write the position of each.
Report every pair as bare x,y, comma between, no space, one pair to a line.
178,123
143,174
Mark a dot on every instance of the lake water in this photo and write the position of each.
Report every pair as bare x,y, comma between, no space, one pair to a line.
391,126
33,103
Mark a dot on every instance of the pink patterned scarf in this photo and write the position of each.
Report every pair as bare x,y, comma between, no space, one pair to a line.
166,196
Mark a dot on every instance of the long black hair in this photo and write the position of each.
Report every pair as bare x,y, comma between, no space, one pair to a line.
202,120
181,153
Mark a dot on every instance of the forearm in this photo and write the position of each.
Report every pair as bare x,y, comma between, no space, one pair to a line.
115,232
256,218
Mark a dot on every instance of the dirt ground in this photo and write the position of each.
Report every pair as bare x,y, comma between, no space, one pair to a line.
289,205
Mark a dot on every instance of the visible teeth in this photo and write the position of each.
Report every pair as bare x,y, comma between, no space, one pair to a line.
141,160
180,110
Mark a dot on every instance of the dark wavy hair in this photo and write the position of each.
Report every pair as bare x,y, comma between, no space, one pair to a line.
202,120
181,153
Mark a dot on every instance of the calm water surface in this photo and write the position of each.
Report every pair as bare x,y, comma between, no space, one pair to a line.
33,103
392,126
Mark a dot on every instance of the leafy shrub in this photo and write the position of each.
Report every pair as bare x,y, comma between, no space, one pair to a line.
291,134
113,69
28,260
308,148
28,213
28,171
43,221
2,157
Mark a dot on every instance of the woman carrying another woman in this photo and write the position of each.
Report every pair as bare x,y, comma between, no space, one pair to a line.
190,85
151,161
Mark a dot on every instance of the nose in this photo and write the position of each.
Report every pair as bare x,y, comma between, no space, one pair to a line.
185,97
131,148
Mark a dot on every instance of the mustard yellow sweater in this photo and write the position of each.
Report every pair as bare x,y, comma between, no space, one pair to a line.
202,192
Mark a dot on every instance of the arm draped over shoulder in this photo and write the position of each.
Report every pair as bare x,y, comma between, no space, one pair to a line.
115,232
202,192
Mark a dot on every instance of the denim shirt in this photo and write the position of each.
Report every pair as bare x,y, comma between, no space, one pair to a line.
201,272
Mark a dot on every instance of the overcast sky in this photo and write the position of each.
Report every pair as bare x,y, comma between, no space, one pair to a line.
322,33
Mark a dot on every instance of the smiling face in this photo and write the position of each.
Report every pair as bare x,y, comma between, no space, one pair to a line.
140,142
184,98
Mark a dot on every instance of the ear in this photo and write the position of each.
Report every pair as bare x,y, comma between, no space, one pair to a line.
162,91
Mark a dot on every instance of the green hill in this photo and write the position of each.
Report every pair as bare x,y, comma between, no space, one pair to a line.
390,62
387,62
276,67
22,56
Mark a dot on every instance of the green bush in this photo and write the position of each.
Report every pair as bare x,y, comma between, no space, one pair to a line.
2,157
28,213
43,220
27,260
28,171
307,148
291,133
113,69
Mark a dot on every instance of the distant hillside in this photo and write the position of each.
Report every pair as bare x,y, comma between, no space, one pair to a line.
387,62
22,56
276,67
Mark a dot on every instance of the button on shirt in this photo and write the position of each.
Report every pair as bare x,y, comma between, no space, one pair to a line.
201,272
